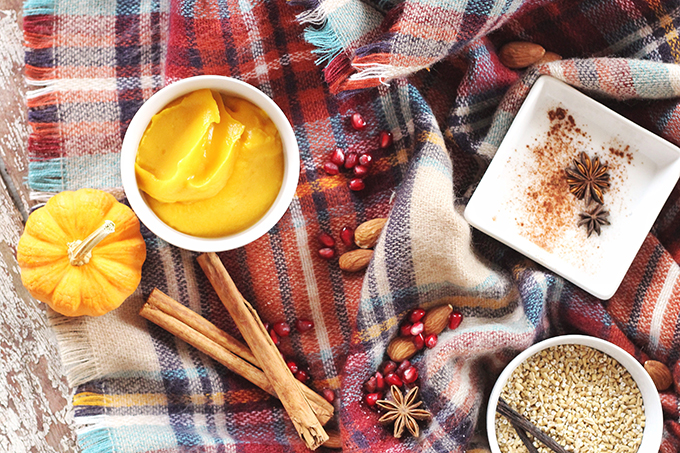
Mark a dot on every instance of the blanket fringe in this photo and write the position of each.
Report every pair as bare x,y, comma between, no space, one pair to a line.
49,97
314,15
337,72
93,435
44,143
37,76
76,353
46,176
37,7
370,73
325,40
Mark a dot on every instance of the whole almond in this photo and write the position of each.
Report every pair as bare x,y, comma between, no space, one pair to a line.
355,260
437,319
366,235
548,57
401,348
660,374
520,54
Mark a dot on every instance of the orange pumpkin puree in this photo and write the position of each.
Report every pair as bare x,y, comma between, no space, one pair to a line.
210,165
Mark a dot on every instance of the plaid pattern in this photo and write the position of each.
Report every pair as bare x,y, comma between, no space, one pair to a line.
139,389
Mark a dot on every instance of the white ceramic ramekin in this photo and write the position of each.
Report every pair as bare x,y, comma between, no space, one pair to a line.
651,436
230,87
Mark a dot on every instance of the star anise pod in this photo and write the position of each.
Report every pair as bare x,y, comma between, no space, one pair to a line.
588,179
594,219
403,411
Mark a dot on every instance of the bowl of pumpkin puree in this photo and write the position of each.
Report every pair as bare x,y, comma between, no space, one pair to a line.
209,163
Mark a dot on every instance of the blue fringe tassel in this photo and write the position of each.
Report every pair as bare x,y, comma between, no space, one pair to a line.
326,42
95,441
36,7
46,175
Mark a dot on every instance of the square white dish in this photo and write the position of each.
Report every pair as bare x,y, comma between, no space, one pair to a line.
523,198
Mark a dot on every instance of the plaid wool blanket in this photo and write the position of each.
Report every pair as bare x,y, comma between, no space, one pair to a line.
429,72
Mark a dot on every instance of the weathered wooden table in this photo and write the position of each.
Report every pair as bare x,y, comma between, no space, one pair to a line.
34,396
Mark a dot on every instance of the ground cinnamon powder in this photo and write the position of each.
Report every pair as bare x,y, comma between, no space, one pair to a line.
543,209
548,213
549,207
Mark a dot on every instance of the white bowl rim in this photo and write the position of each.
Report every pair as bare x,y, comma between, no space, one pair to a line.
653,431
229,86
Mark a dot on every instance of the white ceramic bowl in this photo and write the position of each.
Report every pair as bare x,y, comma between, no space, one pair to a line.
231,87
651,436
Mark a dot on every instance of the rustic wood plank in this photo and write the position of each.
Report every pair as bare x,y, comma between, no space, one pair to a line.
13,124
34,396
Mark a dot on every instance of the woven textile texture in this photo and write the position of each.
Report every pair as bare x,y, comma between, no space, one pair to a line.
93,63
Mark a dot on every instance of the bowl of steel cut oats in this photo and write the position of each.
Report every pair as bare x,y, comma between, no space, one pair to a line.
587,394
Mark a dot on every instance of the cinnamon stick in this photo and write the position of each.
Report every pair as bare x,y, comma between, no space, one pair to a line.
189,326
207,346
266,353
334,440
168,305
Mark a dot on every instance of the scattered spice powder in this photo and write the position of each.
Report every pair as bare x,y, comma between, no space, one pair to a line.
549,206
624,153
547,212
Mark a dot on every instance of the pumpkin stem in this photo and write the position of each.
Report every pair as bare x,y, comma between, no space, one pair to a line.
80,252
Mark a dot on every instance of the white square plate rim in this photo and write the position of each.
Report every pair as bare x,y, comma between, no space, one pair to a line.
476,215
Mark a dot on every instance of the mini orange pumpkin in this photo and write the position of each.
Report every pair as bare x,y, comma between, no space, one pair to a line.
82,253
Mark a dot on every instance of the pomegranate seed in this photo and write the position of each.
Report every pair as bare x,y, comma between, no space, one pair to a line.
326,239
338,157
385,139
405,330
393,379
431,340
282,329
402,366
358,122
360,171
455,319
419,341
372,398
410,375
356,184
416,315
292,366
347,236
365,160
301,376
352,160
370,386
389,367
417,328
303,325
327,253
329,395
275,337
379,381
331,169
